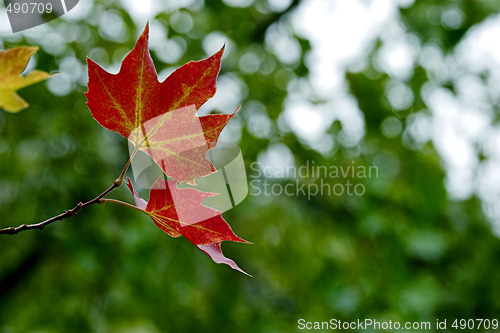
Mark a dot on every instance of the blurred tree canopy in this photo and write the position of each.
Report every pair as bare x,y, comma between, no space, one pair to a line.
403,251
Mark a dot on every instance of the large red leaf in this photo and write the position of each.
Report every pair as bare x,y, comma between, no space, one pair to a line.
176,142
179,212
159,118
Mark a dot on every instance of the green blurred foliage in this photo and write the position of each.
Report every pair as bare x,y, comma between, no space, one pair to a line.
403,251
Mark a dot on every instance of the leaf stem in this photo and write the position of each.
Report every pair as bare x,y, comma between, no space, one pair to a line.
119,180
76,209
122,203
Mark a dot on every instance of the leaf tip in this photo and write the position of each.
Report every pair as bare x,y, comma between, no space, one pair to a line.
214,251
145,32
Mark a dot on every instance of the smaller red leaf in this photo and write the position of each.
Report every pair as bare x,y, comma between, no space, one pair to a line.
180,212
142,204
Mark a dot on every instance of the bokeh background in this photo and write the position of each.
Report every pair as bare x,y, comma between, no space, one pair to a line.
411,87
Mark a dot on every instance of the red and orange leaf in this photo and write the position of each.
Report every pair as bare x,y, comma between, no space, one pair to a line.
180,212
136,105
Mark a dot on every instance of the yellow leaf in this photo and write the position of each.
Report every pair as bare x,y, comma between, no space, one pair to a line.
12,64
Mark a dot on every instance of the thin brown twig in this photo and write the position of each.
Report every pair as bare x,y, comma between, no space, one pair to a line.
71,212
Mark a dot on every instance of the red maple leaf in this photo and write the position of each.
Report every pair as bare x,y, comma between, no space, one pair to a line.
159,118
179,212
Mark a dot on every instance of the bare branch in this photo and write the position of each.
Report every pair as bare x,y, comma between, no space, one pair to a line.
71,212
66,214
